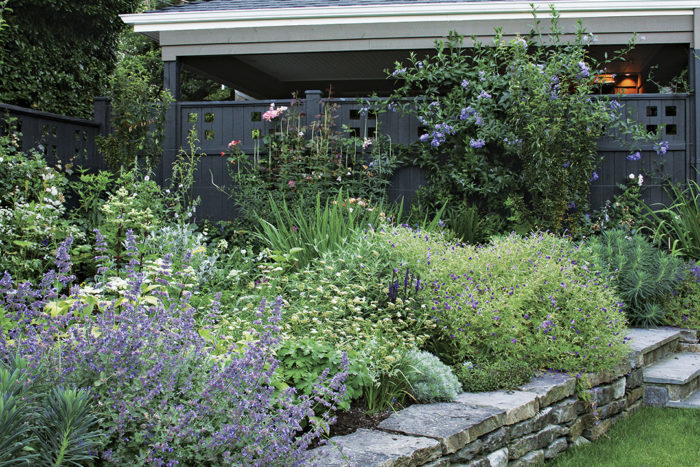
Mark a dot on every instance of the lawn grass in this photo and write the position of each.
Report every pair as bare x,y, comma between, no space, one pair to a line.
651,437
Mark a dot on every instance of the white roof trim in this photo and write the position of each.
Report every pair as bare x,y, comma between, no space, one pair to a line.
230,19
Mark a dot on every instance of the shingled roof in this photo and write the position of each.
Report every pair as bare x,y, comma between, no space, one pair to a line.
227,5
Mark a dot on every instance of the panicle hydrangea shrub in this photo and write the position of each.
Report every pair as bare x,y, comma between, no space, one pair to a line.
167,394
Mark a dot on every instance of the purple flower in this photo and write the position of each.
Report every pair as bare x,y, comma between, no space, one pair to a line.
484,95
400,71
661,147
466,113
594,177
566,164
424,137
634,157
477,143
584,70
465,83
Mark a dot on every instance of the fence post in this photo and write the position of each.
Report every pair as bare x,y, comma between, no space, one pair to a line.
312,105
102,112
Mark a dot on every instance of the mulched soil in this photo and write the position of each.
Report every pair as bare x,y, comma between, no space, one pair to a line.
355,418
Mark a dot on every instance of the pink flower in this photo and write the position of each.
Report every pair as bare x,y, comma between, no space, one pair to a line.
234,143
273,113
291,183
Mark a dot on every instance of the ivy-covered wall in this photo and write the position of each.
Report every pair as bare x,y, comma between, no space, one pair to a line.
56,55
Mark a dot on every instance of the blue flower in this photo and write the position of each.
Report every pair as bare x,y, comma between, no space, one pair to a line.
465,83
477,143
661,147
566,164
634,157
400,71
424,137
584,70
594,177
484,95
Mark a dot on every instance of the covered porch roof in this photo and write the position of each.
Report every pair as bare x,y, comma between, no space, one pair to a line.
269,48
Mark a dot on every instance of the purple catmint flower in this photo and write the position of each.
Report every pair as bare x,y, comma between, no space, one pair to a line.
635,156
153,375
484,95
465,83
594,177
398,72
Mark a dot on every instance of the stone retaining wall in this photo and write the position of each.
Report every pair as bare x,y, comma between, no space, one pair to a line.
515,428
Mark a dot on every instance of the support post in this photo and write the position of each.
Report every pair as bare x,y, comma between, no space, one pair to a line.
171,143
694,81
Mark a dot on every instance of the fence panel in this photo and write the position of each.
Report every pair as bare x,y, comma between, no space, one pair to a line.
59,138
217,123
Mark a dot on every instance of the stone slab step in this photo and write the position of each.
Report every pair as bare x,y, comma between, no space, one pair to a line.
691,402
677,369
651,345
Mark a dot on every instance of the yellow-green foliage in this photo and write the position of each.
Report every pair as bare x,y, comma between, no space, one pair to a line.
536,299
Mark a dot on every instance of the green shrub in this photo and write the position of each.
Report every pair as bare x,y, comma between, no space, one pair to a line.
683,309
431,380
509,128
534,302
32,210
490,376
643,276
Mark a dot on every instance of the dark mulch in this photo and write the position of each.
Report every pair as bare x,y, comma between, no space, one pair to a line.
351,420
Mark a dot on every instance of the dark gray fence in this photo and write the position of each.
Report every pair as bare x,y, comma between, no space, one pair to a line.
672,111
59,138
217,123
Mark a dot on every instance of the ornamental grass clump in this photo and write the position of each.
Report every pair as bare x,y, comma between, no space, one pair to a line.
528,303
166,391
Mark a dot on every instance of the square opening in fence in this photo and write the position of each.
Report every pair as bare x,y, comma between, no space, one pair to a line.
671,129
192,117
209,117
671,111
651,128
209,135
256,116
652,111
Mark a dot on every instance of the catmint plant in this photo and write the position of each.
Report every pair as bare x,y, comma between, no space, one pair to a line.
165,389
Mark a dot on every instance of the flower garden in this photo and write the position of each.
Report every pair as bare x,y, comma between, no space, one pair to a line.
132,334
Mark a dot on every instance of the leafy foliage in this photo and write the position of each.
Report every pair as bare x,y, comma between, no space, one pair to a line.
137,116
517,303
510,129
297,163
677,227
52,426
429,379
643,276
56,55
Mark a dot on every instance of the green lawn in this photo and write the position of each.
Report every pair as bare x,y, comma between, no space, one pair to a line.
651,437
